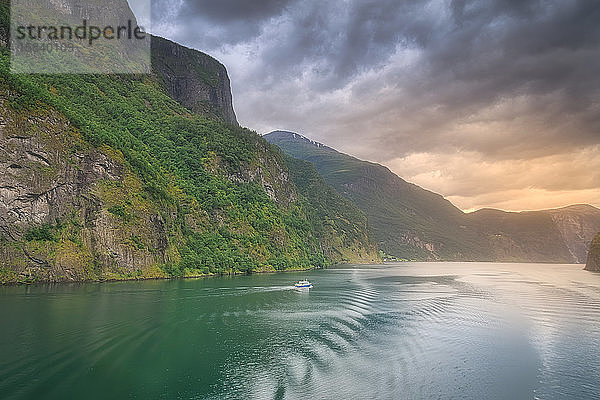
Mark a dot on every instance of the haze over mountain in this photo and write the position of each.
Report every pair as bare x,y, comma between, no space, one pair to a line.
411,222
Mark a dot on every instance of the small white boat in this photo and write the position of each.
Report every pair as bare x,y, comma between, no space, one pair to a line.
303,285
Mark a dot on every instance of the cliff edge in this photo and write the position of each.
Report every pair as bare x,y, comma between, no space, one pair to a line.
195,79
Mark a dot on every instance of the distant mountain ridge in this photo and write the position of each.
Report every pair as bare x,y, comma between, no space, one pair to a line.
555,235
413,223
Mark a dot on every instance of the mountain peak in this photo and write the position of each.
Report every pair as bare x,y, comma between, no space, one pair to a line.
292,136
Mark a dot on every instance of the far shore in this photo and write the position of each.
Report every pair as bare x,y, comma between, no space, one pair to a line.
240,273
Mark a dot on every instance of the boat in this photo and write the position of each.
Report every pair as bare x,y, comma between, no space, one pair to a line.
303,285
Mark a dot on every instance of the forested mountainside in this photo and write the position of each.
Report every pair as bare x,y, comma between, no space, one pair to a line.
343,227
410,222
137,176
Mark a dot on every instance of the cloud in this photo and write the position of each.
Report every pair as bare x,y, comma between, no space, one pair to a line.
472,181
510,83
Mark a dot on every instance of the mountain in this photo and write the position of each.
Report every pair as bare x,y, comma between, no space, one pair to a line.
413,223
407,221
138,176
559,235
196,80
340,223
577,225
593,259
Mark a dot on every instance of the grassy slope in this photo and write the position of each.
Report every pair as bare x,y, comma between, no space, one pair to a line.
520,236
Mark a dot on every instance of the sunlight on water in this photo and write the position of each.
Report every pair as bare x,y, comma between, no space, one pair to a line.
439,330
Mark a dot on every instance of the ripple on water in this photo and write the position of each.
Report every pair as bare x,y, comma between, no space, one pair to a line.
404,331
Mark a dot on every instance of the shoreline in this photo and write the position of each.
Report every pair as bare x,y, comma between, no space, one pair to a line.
157,278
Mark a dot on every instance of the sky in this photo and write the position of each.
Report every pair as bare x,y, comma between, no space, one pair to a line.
492,103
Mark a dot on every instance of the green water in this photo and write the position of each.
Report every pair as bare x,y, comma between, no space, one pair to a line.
445,330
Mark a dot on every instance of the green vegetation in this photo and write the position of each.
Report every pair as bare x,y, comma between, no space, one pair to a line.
119,211
341,224
45,232
168,148
408,222
183,162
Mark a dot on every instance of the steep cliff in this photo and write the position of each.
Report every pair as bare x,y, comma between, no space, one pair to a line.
137,176
577,225
69,211
593,258
133,185
519,237
194,79
558,235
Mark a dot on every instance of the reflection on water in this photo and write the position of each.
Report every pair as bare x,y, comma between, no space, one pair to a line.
443,330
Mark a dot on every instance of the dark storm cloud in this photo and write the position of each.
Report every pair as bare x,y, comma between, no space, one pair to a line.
225,11
501,50
387,79
209,23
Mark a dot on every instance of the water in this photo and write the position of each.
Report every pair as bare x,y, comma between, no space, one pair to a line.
397,331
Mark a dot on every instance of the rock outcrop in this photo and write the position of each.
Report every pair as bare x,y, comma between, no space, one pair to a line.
577,225
194,79
593,258
56,187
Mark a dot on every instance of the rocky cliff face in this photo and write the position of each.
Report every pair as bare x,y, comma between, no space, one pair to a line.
55,187
577,226
593,258
194,79
558,235
272,174
73,211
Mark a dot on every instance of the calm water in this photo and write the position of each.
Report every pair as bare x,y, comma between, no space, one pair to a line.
398,331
